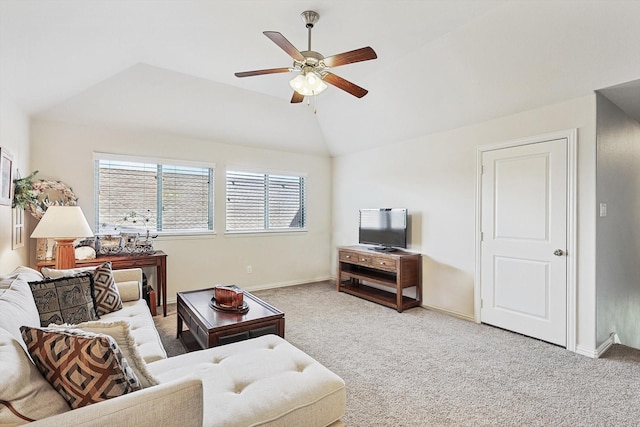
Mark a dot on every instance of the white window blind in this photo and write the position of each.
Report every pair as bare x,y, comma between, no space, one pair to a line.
139,195
257,201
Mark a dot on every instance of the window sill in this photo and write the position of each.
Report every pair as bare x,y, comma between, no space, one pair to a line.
186,235
264,233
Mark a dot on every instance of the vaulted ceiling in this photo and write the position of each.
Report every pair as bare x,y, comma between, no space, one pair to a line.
168,66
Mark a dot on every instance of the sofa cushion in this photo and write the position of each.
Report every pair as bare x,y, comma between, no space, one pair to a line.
65,300
84,368
27,394
129,290
261,381
52,273
119,331
28,273
107,296
16,302
143,330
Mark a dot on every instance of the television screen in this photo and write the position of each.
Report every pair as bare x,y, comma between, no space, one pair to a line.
385,227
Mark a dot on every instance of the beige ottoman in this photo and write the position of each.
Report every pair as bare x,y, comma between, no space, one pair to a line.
264,381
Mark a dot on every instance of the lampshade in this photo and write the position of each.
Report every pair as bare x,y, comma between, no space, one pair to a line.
307,84
62,222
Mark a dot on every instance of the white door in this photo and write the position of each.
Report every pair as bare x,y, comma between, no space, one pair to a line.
524,238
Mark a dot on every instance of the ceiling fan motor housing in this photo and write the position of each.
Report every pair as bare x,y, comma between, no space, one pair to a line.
312,60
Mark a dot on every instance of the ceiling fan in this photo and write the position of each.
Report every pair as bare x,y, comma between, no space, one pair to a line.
312,67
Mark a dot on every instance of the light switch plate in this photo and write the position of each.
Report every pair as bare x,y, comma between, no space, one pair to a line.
603,209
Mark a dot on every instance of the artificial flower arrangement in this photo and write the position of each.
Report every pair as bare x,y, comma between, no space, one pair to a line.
22,192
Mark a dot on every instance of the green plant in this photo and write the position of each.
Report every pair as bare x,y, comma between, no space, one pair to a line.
22,194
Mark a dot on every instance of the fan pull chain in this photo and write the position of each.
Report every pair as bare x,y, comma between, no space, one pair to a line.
315,102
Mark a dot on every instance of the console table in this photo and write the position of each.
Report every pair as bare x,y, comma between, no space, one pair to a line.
157,259
397,270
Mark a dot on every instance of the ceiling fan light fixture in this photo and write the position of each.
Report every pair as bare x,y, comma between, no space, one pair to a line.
312,66
308,84
311,79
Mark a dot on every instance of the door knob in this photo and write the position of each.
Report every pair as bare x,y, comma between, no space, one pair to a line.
558,252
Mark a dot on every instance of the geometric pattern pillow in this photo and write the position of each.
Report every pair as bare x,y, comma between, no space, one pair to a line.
107,296
84,368
65,300
120,331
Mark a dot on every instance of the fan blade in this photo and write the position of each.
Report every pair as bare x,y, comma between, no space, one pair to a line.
358,55
345,85
296,98
260,72
284,44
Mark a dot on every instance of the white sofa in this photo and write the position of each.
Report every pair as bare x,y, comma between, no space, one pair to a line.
264,381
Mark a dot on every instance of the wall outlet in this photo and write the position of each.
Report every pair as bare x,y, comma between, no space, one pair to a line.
249,269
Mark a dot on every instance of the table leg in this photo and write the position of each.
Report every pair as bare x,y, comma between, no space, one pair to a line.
152,302
399,299
179,326
162,273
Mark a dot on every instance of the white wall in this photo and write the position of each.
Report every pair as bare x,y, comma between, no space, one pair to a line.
618,235
14,136
64,152
435,178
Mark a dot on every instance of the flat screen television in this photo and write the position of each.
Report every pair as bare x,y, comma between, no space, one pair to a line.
385,228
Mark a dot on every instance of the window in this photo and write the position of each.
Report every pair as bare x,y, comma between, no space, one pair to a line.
134,194
258,201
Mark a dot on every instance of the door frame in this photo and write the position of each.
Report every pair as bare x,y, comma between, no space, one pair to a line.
571,135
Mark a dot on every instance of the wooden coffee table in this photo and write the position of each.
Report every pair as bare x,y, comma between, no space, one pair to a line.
208,327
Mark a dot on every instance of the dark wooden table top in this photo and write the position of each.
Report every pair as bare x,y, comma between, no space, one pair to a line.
198,302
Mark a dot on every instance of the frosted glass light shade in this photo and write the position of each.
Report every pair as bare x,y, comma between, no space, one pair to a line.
62,222
308,84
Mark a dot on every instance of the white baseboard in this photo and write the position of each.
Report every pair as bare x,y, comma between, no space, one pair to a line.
285,284
588,352
450,313
602,348
260,287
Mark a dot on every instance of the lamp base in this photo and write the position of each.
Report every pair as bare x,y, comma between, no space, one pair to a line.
65,254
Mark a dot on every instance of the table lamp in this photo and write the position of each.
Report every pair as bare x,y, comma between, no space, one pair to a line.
64,224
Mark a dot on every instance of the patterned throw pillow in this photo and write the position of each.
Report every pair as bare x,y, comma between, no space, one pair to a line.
84,368
65,300
120,331
107,296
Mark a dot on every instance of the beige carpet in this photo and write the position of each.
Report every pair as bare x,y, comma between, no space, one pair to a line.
422,368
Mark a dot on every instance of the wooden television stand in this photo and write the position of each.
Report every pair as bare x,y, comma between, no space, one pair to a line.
397,270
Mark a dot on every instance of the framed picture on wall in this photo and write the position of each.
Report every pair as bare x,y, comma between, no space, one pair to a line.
6,166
